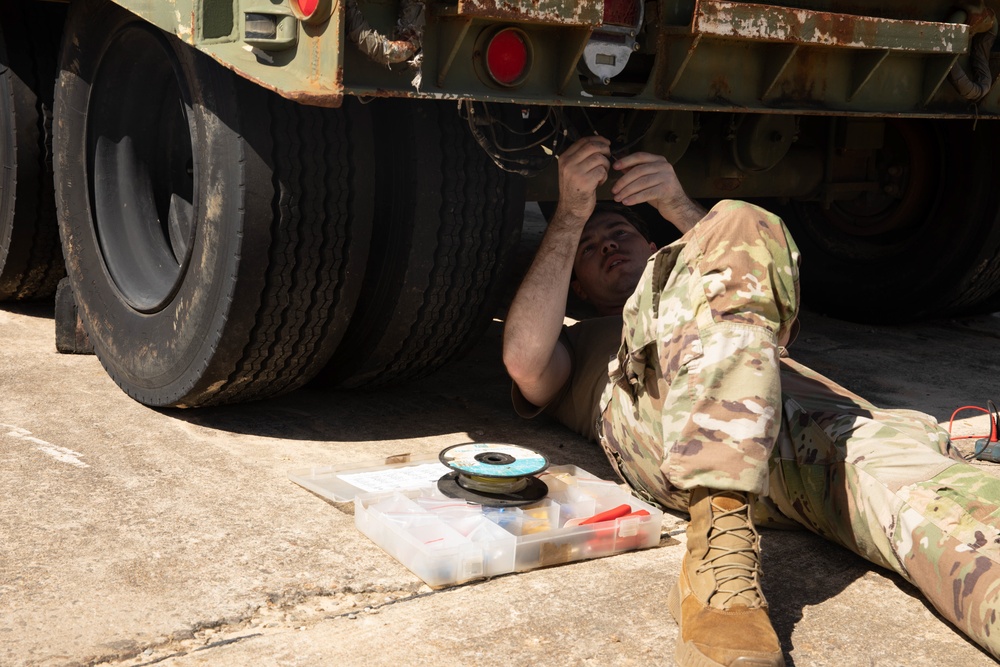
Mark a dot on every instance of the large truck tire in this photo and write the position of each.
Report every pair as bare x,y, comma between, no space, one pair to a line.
930,249
446,223
215,234
30,257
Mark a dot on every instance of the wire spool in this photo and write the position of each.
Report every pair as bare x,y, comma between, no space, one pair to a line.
493,475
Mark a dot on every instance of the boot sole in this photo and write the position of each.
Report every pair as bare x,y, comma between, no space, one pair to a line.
686,654
674,603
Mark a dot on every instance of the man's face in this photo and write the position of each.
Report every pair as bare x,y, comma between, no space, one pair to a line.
609,262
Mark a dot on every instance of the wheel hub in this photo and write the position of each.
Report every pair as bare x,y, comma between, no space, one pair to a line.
142,168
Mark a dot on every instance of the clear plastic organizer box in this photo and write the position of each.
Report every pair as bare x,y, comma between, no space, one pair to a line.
447,541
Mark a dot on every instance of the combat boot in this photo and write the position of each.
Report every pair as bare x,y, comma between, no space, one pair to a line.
717,601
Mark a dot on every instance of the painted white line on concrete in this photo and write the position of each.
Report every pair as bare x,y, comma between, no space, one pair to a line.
61,454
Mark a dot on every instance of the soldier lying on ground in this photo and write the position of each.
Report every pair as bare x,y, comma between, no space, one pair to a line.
701,410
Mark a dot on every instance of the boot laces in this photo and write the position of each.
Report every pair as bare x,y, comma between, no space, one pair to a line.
735,568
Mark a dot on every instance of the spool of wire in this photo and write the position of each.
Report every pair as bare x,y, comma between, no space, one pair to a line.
493,475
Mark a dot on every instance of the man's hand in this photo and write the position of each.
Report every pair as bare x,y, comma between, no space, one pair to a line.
583,167
648,178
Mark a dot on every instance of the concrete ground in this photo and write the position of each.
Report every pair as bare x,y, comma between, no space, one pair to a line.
134,536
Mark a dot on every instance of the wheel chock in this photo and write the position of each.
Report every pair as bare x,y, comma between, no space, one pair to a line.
71,338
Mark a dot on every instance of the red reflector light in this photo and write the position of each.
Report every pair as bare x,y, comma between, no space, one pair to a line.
307,7
621,12
507,57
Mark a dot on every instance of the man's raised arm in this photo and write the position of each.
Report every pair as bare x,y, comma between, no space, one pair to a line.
537,362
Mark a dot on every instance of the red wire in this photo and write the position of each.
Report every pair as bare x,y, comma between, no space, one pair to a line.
995,414
993,422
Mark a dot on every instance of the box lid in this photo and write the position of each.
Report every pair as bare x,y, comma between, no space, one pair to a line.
346,482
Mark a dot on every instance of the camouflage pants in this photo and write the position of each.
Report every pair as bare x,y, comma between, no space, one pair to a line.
700,395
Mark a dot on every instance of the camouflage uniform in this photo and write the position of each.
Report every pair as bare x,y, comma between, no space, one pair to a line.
702,395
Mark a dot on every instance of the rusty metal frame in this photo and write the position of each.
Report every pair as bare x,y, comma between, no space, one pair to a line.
787,31
706,55
744,20
556,12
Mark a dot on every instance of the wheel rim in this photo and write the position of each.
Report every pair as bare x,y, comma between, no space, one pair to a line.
878,224
141,167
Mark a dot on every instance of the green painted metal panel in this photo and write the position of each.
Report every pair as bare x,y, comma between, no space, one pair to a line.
819,57
310,71
218,19
175,16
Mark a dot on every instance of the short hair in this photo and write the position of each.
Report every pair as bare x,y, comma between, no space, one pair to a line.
631,216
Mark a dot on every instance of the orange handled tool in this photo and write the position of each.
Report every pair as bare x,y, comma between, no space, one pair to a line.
608,515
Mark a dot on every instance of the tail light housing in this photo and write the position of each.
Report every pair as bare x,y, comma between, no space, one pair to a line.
610,46
308,7
505,56
623,13
312,11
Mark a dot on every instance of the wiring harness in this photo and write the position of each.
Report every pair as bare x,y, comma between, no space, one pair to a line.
545,132
520,151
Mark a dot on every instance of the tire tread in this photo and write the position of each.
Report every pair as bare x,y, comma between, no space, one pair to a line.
439,287
32,262
303,298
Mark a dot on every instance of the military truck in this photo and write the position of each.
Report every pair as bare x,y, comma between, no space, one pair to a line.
252,194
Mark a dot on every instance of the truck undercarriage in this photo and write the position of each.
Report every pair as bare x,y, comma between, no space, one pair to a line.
251,196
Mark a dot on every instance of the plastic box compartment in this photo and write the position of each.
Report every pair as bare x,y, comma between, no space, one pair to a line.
447,541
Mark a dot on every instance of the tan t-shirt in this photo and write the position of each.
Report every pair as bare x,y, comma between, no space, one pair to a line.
592,344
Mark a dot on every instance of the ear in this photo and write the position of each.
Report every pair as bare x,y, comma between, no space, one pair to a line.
578,289
652,247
